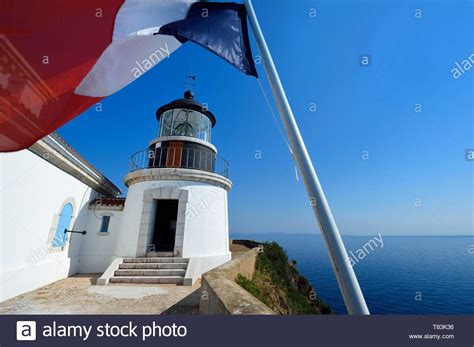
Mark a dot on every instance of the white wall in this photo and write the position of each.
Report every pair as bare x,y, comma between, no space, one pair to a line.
98,249
32,194
126,243
206,230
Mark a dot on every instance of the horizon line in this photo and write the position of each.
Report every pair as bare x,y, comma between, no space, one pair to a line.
366,235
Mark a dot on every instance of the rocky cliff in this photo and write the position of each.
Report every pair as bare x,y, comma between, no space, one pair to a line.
277,283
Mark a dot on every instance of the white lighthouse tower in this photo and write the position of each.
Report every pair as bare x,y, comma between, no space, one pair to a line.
176,204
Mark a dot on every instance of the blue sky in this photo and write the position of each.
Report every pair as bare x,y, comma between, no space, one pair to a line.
413,157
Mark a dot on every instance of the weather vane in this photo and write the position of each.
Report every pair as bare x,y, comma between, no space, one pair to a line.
191,81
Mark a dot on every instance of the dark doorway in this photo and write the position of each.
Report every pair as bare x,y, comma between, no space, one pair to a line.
165,225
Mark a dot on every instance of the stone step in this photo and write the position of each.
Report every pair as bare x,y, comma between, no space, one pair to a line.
159,254
155,260
148,279
128,266
161,272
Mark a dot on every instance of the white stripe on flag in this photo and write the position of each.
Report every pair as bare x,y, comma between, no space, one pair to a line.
134,49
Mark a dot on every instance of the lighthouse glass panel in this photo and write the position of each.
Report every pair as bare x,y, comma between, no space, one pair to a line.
184,122
166,123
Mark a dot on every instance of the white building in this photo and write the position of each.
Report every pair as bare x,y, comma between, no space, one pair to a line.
60,216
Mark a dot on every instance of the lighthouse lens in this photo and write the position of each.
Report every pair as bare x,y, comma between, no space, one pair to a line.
184,122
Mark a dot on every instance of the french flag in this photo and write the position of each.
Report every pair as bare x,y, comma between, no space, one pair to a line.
57,57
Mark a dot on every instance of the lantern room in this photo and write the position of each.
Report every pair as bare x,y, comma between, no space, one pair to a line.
185,117
184,139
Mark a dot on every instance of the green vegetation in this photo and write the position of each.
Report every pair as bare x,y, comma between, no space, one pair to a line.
249,286
277,283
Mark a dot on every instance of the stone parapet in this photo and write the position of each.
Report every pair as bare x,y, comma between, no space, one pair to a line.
220,294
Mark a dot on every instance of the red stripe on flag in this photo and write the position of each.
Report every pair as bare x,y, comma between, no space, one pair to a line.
46,49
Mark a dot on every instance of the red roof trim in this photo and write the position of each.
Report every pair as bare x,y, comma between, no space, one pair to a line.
108,202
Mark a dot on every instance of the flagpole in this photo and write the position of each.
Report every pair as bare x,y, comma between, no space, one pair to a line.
346,278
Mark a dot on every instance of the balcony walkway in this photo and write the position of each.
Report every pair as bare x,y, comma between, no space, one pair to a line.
174,157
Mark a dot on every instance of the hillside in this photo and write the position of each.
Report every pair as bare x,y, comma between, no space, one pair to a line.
278,284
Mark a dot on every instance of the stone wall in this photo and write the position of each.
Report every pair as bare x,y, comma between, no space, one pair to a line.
247,243
222,295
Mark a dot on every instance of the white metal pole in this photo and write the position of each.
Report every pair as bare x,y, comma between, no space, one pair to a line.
347,280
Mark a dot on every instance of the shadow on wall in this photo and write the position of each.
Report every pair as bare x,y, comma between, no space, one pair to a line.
188,305
75,240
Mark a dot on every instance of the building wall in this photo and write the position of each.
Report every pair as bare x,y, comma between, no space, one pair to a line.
98,248
32,194
206,230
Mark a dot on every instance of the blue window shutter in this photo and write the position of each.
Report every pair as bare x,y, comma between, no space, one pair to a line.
104,227
64,223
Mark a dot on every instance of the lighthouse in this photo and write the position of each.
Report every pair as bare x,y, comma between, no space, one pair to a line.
176,205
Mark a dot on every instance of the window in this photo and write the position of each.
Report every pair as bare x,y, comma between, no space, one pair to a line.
64,223
205,129
182,125
184,122
166,123
104,226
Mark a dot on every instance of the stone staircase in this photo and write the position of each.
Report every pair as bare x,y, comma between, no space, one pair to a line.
155,268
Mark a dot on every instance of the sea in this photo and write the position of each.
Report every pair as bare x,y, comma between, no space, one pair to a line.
408,275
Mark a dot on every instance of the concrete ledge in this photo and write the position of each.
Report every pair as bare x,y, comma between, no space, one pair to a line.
221,295
105,278
189,278
182,174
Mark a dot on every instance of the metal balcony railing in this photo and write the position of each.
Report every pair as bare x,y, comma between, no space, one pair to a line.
175,157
